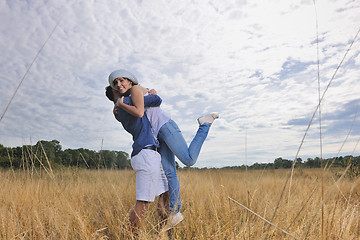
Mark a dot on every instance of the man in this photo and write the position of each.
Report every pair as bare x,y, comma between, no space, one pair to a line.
166,131
145,160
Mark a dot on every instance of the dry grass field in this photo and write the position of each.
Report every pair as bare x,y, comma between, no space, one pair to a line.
84,204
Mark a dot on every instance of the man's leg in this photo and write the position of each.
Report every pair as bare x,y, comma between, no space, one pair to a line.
163,205
137,214
169,166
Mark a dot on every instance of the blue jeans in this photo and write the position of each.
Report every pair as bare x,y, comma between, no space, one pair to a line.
173,143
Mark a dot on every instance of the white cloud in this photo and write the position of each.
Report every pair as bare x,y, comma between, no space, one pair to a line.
254,62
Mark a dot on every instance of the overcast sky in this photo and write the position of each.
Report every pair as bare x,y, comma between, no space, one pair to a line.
254,62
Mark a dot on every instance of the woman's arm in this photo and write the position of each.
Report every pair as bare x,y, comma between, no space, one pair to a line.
137,97
149,101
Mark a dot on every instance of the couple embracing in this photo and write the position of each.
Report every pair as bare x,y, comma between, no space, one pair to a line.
157,140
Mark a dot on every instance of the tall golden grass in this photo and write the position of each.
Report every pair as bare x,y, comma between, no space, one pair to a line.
85,204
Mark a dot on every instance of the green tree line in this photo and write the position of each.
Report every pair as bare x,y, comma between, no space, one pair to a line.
309,163
50,153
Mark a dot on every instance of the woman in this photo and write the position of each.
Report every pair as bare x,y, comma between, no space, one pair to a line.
168,133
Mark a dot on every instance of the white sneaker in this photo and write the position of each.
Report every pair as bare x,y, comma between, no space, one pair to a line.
208,118
176,219
173,220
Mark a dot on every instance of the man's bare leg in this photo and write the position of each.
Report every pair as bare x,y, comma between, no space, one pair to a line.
163,206
137,214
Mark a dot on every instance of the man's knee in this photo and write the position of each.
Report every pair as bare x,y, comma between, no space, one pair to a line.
141,205
165,195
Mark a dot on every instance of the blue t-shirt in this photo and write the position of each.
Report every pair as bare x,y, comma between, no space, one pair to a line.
139,128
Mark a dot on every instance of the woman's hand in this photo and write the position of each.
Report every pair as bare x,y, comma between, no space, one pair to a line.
119,101
152,92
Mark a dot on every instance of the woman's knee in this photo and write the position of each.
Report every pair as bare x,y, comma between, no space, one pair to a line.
188,162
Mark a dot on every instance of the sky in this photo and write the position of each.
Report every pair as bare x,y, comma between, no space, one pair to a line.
263,65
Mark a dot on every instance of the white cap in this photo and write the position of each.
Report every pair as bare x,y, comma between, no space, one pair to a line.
121,73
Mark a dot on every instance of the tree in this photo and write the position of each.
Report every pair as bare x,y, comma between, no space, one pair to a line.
46,151
122,160
298,162
278,163
109,158
317,162
65,157
4,158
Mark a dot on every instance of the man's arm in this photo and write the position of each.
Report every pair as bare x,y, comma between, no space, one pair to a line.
116,114
149,101
152,101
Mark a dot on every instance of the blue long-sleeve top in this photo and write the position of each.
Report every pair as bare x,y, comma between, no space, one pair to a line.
139,128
